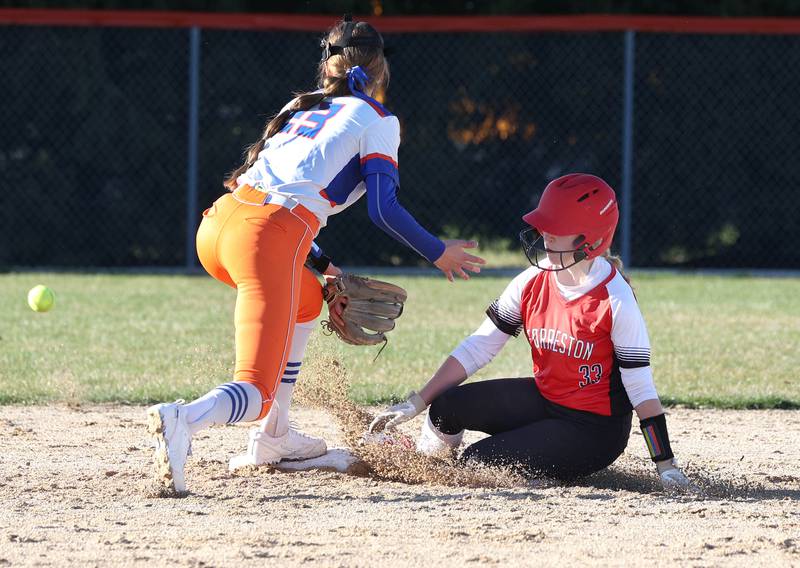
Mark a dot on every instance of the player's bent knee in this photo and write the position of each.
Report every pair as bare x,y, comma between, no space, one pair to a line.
436,411
443,413
471,454
486,452
310,297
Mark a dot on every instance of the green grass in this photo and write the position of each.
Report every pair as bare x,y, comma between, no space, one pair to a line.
717,341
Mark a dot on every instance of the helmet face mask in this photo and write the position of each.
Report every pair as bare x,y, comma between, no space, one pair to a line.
534,248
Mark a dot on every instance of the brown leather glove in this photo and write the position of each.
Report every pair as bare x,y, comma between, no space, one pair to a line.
367,305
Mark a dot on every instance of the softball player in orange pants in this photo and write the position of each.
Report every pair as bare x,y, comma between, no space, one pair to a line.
318,156
260,250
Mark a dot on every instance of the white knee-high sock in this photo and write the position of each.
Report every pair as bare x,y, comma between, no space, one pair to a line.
232,402
276,422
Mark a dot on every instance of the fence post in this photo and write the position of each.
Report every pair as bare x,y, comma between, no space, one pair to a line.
193,134
627,147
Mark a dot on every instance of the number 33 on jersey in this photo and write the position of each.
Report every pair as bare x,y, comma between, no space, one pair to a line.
579,347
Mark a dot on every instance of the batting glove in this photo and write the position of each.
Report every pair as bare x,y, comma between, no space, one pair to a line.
671,475
395,415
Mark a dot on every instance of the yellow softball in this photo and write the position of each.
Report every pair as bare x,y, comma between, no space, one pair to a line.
41,298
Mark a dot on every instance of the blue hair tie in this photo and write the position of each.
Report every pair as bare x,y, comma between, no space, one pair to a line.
357,80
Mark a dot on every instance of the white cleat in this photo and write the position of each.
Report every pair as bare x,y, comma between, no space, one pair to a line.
264,449
167,424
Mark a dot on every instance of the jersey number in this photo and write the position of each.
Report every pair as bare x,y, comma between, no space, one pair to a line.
587,372
309,123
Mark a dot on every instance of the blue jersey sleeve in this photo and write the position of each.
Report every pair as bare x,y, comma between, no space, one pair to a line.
387,213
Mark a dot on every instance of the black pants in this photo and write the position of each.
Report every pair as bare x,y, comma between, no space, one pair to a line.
529,431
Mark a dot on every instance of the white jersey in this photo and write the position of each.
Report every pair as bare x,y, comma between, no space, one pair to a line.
321,156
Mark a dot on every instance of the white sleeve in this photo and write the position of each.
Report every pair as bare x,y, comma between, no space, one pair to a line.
505,312
503,322
632,348
378,148
478,350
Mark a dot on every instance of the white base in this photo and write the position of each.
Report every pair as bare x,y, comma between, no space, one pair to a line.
337,459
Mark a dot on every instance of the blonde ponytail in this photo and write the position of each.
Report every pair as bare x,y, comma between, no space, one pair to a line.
616,262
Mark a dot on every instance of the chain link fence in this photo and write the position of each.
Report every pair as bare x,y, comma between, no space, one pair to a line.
716,146
94,136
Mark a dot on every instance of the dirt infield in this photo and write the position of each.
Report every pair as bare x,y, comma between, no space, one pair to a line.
74,490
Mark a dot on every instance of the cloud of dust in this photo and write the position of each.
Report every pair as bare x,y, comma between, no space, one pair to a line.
327,383
325,386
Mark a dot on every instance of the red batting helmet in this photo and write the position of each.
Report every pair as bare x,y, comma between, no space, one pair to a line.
578,204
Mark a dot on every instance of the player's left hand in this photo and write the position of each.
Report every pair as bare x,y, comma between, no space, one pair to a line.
455,260
671,475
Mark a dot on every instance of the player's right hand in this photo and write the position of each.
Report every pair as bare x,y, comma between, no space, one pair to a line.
395,415
456,260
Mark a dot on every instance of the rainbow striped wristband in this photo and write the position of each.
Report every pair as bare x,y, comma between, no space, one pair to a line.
656,437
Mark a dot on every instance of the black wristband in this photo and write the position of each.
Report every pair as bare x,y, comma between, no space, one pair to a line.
319,263
656,437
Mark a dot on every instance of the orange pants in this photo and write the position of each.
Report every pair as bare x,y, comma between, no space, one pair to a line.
260,250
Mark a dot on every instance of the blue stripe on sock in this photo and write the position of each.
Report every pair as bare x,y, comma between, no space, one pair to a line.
294,363
239,407
288,372
233,402
245,403
288,381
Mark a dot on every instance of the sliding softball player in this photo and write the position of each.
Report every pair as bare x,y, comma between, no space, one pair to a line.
590,349
318,156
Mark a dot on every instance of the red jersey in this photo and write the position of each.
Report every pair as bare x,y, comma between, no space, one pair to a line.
589,353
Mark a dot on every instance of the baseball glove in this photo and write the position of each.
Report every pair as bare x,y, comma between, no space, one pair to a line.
367,305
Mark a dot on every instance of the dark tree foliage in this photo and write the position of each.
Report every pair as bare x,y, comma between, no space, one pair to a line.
92,146
93,137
